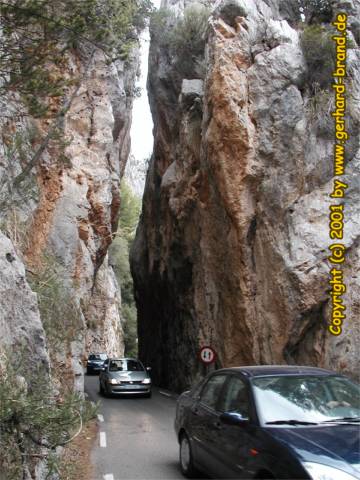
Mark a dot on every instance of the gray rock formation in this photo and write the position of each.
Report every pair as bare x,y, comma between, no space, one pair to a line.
20,324
66,210
70,209
232,247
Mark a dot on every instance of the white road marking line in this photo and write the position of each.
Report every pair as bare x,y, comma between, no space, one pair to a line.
109,476
100,417
103,439
165,393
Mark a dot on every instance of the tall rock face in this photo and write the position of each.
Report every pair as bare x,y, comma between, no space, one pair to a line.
20,323
65,212
232,246
84,202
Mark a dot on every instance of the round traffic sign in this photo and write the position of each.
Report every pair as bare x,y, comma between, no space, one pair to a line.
207,355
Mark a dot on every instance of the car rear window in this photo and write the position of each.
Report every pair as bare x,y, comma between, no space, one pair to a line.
98,356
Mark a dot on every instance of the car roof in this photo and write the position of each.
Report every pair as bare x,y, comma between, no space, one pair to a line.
125,358
268,370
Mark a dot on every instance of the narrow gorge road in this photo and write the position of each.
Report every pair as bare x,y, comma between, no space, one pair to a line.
136,436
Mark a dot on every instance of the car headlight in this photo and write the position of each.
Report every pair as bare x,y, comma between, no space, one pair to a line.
318,471
113,381
146,381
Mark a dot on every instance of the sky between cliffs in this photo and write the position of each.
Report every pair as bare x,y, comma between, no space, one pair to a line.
142,124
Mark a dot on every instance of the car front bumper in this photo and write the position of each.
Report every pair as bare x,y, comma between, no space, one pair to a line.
129,389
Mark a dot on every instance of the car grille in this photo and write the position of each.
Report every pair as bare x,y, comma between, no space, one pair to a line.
131,382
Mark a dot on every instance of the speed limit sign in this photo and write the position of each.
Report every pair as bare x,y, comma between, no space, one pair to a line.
207,355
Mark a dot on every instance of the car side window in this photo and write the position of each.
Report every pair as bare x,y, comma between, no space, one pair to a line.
236,397
196,389
212,390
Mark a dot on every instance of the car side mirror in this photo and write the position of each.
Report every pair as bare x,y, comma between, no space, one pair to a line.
233,418
148,369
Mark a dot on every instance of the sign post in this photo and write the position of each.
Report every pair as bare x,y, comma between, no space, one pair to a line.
207,356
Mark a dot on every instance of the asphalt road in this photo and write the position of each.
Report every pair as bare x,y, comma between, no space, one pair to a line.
136,436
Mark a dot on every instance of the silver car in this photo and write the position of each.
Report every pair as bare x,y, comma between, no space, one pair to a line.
125,376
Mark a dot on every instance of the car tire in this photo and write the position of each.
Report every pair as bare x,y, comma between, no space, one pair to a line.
107,394
264,476
148,395
186,457
101,388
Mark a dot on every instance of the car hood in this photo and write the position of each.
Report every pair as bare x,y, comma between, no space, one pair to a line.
131,376
96,361
334,445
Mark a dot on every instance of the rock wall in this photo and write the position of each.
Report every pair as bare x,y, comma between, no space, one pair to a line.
232,246
85,212
20,323
68,208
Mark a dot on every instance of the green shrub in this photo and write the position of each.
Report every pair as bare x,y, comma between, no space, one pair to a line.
59,311
129,212
319,53
130,330
187,39
160,22
184,38
306,11
318,109
17,149
119,259
34,420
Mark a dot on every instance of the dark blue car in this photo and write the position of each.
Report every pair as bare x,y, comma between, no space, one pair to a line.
96,362
280,422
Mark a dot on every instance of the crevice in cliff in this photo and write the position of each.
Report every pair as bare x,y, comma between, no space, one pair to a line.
230,246
307,337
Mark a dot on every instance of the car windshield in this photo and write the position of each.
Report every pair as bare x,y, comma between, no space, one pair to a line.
306,398
99,356
125,366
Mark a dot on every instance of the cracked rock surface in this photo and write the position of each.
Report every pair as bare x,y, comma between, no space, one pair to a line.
232,247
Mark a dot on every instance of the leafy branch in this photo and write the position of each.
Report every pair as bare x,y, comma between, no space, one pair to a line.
34,419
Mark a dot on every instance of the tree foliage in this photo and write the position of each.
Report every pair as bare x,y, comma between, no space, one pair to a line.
119,258
36,39
319,52
184,37
307,11
129,212
36,34
60,314
34,419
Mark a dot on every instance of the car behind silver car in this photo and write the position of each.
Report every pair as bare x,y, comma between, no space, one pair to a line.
125,376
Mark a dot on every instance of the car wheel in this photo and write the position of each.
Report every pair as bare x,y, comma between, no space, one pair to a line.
101,388
148,395
186,457
107,393
265,476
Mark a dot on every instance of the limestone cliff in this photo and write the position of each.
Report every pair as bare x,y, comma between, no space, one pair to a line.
68,209
232,247
20,323
67,82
